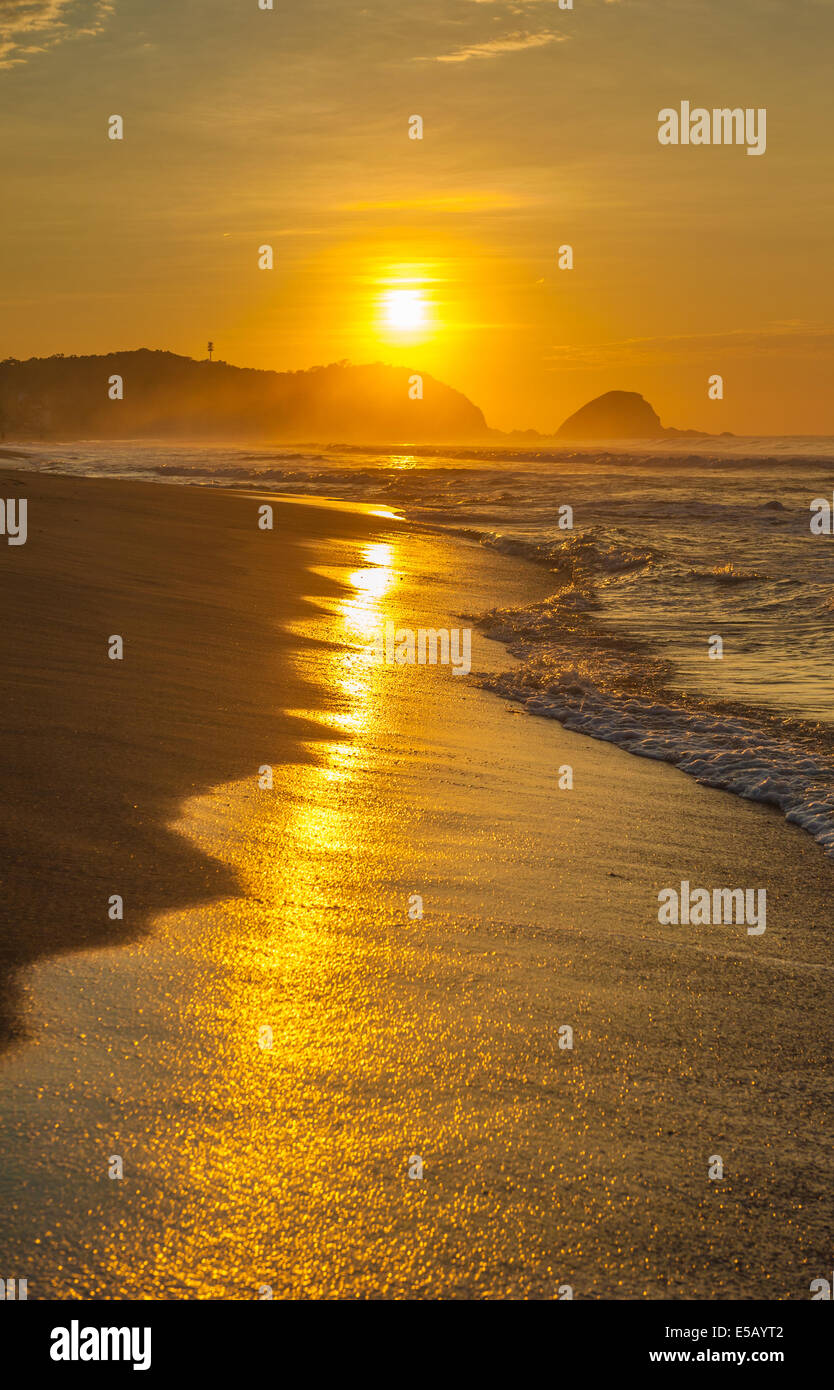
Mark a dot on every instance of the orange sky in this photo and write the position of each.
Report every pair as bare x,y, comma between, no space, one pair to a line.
290,127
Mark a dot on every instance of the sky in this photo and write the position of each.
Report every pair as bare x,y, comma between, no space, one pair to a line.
246,127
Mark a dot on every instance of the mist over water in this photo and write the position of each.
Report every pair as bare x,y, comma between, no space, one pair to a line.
670,547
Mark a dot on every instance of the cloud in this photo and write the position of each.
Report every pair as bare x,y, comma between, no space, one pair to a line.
28,27
518,6
510,43
442,202
794,338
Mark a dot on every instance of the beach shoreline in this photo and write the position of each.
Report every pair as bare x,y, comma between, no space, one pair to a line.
288,908
100,752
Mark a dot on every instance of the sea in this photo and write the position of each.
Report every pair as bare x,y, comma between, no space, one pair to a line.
691,607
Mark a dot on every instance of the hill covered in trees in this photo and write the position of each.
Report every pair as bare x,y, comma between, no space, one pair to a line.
164,395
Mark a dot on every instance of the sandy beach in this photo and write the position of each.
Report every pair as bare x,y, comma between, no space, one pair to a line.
199,595
280,1160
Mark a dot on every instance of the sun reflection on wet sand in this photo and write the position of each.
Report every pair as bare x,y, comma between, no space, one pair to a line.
288,958
365,1056
363,612
326,1117
268,1064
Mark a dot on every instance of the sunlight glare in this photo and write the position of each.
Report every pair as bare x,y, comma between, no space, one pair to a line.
405,309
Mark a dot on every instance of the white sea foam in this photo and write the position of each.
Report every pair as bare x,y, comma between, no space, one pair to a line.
728,753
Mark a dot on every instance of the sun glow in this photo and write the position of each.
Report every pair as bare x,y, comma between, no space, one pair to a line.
404,309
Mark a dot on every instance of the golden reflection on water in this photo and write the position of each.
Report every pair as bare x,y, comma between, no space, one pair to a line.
317,819
286,1165
263,1137
362,612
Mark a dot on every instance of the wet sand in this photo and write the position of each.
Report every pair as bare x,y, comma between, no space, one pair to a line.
99,753
280,1160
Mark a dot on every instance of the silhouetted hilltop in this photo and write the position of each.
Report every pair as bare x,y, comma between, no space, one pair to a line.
166,395
619,415
616,415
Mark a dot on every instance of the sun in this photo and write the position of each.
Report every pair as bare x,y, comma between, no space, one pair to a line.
404,309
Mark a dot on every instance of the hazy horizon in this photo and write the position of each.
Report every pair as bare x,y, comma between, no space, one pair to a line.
519,428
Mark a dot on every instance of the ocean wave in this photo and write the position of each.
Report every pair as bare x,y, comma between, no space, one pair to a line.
223,475
609,687
705,452
727,573
579,555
